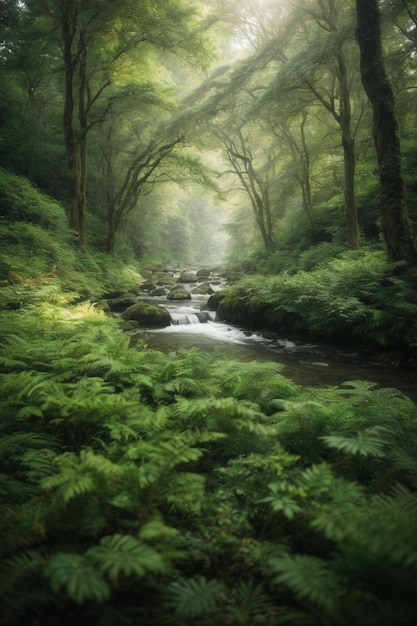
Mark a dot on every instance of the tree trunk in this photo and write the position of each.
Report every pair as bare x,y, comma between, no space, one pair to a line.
71,146
349,157
395,224
83,122
305,173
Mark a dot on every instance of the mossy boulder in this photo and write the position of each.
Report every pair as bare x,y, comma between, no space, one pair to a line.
159,291
148,286
122,302
203,289
203,273
215,299
179,293
164,278
146,314
187,277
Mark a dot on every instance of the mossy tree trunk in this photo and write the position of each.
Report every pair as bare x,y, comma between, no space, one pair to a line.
71,143
395,224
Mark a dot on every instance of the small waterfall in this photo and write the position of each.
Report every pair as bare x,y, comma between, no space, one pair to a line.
184,316
180,319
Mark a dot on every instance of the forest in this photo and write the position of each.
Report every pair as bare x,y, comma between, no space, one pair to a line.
272,143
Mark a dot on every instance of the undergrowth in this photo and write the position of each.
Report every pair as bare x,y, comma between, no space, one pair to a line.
186,488
357,296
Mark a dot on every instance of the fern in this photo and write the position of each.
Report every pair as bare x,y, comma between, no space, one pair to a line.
82,474
14,570
182,386
124,555
185,492
160,459
251,604
194,598
13,446
16,491
78,577
285,498
310,579
369,442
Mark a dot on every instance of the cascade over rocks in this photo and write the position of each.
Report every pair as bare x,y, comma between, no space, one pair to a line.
147,315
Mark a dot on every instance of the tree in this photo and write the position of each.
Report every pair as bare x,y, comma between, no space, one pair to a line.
332,90
396,227
254,182
96,38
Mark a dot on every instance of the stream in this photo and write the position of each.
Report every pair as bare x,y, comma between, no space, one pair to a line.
309,364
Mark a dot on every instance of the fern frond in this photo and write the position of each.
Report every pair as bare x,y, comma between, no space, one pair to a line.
185,492
16,568
251,603
158,459
179,386
16,491
13,446
124,555
39,463
310,578
192,598
399,496
369,442
81,474
404,462
218,409
78,577
286,498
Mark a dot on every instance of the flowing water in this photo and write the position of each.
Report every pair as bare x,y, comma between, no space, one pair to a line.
310,364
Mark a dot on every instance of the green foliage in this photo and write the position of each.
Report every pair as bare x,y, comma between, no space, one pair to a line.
80,580
194,598
213,487
310,578
122,555
353,296
191,489
21,202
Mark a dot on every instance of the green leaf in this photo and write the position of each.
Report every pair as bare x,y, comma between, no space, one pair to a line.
193,598
366,443
123,555
309,578
78,577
